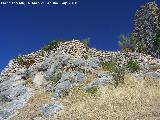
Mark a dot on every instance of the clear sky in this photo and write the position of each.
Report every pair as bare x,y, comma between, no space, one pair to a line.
24,29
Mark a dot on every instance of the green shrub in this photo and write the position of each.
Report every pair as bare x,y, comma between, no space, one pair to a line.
133,66
92,90
117,71
109,66
19,59
86,41
51,45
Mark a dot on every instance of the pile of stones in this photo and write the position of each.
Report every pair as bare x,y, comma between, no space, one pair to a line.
75,49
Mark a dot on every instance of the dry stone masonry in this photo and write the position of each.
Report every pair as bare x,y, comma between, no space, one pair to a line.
74,49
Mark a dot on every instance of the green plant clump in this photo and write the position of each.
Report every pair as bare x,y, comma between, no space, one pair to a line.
20,59
109,66
51,45
55,78
117,71
92,90
133,66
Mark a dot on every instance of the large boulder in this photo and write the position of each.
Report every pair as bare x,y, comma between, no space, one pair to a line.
104,78
67,81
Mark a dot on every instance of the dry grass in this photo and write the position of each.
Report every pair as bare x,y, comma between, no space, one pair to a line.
134,100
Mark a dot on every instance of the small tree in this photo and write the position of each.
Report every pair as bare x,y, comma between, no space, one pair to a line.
86,41
128,43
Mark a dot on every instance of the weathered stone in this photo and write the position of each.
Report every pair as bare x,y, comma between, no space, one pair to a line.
153,75
67,81
4,115
103,74
14,91
105,79
10,108
59,88
39,80
73,76
51,109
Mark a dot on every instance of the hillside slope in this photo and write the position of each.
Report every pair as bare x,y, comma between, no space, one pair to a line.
69,80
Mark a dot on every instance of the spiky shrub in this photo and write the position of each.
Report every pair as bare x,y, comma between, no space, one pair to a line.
133,66
51,45
117,71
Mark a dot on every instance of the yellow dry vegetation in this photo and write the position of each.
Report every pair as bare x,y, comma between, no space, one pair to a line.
133,100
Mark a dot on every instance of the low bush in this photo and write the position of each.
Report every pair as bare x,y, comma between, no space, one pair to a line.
109,66
92,90
133,66
56,77
51,45
117,71
19,59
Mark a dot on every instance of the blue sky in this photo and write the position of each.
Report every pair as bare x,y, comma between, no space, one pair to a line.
24,29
